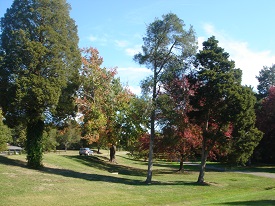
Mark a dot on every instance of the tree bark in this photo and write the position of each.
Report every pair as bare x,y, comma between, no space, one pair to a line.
151,150
202,168
113,153
181,162
152,135
34,143
204,156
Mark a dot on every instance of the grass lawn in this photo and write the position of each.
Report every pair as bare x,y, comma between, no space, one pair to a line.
70,179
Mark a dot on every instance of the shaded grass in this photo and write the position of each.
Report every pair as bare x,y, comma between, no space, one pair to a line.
252,168
70,179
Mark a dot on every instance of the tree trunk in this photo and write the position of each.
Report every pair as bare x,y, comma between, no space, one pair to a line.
152,136
204,155
181,162
34,143
113,153
151,154
202,169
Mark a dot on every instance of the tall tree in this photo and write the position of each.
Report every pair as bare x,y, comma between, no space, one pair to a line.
102,100
266,80
40,66
166,43
266,123
218,101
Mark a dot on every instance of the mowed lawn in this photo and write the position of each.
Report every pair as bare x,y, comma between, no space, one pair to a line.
70,179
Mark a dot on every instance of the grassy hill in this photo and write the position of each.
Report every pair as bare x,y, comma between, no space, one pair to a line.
70,179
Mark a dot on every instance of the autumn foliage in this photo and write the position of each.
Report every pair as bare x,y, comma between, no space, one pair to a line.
266,123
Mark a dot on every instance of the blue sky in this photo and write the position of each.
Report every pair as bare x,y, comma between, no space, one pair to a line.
244,28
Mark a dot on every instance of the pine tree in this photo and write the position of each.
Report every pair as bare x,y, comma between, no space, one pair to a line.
221,104
166,44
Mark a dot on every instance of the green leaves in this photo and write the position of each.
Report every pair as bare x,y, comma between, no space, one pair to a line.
39,40
5,134
266,80
103,101
221,100
167,46
39,69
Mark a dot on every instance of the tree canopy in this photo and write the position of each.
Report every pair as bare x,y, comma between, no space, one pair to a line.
220,103
266,123
39,71
266,80
167,45
193,100
102,101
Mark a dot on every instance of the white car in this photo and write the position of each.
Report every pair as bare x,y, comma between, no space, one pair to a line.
85,151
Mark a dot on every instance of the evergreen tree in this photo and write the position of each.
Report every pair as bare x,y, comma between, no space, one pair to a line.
245,135
166,43
219,105
266,80
39,71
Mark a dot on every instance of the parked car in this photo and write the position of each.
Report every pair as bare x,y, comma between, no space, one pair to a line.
85,151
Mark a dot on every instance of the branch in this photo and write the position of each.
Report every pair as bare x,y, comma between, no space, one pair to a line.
168,56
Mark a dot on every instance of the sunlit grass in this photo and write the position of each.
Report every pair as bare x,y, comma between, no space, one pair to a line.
70,179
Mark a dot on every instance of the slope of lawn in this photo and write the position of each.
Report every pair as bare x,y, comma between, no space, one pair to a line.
70,179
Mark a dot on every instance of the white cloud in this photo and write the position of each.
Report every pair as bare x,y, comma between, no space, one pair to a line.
132,77
92,38
132,51
102,40
200,41
121,43
135,89
248,60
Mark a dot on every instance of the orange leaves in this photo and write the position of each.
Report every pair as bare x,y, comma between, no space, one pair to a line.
91,138
101,98
91,56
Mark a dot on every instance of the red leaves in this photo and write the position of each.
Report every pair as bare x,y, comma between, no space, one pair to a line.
266,116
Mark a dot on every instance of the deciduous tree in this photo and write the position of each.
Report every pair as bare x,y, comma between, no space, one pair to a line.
181,138
69,135
102,100
266,123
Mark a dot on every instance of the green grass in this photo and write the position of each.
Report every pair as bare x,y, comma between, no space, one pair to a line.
70,179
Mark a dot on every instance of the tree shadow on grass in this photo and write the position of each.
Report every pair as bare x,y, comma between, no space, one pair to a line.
165,164
96,177
7,161
252,202
105,165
